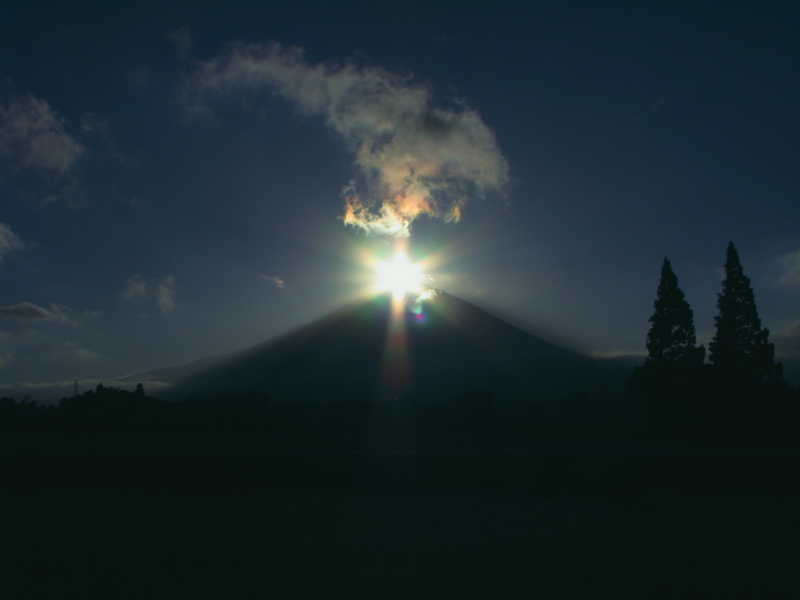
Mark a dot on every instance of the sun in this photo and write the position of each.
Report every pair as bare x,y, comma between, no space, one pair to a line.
399,276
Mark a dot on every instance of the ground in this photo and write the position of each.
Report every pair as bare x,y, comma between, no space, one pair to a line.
566,528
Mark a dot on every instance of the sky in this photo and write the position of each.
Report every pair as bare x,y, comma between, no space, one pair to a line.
180,180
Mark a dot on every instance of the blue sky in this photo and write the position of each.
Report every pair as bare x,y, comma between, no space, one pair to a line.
174,177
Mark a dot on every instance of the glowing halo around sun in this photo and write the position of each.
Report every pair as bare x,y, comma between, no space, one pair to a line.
399,276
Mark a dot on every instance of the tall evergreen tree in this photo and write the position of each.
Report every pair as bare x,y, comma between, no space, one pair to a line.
668,387
671,339
741,348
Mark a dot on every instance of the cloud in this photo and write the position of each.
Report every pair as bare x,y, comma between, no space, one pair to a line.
791,263
787,341
6,358
165,294
135,287
27,311
277,281
161,290
94,125
9,241
33,135
412,158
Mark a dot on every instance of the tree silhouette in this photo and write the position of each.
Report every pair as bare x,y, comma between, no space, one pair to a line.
741,349
672,336
667,389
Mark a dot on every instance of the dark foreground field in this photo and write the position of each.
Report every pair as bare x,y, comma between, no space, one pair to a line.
399,520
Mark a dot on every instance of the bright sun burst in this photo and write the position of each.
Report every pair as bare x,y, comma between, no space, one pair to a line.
399,276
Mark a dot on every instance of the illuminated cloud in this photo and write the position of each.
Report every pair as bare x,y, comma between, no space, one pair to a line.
161,290
33,135
9,241
413,158
276,281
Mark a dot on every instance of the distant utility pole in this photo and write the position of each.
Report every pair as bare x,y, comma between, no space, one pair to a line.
75,390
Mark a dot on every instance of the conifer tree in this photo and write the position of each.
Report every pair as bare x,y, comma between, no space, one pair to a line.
741,348
671,339
668,386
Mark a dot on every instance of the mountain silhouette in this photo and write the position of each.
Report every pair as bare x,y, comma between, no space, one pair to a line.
432,349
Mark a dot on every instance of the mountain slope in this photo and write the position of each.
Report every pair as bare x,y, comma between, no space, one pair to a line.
438,348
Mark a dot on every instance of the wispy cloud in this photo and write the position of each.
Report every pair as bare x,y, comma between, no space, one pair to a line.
161,290
33,135
28,311
276,281
35,138
413,158
165,294
136,286
9,241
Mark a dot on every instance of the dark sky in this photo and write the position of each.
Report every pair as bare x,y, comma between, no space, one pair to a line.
173,179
